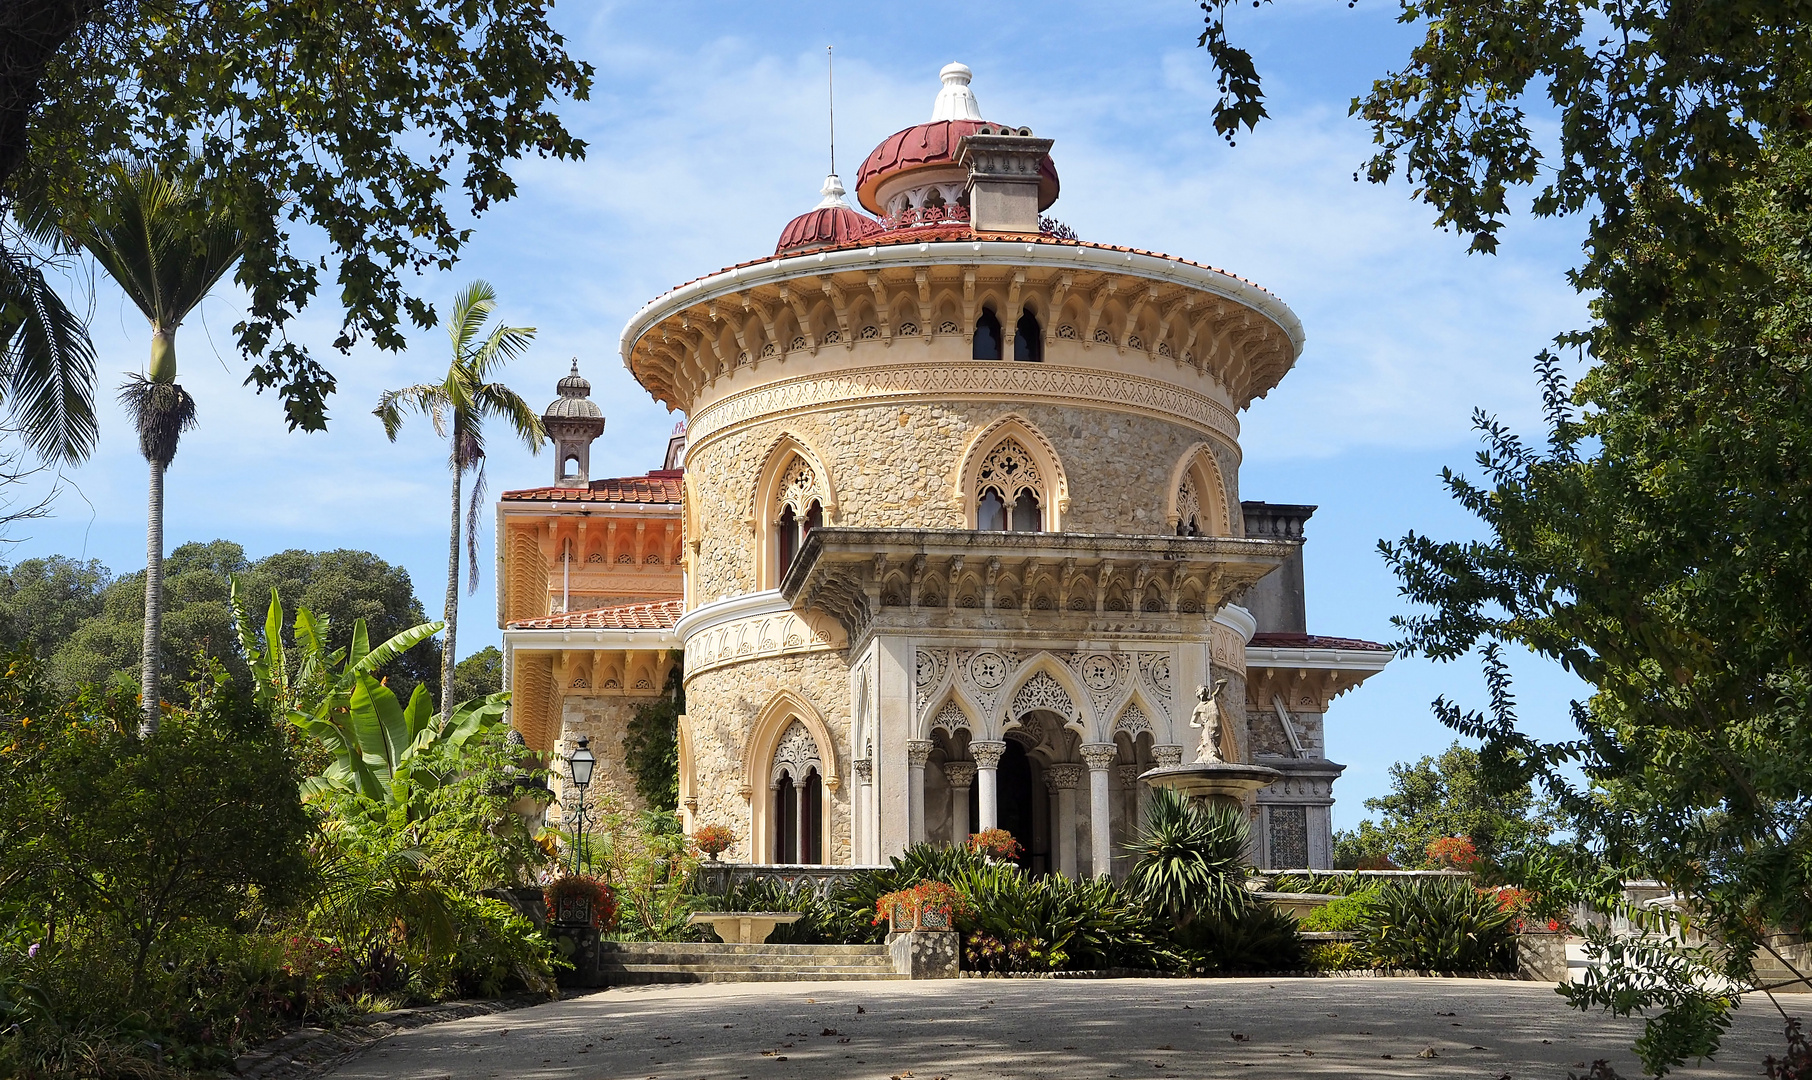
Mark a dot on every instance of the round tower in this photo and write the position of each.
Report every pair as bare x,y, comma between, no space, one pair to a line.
962,519
573,421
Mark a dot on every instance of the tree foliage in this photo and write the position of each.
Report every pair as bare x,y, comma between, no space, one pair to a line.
1438,797
651,745
374,130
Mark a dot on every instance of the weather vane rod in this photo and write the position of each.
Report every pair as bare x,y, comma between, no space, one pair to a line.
830,67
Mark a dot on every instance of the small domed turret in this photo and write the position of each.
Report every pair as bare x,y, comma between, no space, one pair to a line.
573,421
832,223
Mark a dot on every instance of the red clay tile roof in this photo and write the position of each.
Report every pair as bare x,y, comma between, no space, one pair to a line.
932,143
658,615
660,486
1314,641
826,226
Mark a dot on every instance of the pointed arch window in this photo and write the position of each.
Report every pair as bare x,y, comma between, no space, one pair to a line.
1189,509
801,509
798,789
1028,338
1009,491
987,336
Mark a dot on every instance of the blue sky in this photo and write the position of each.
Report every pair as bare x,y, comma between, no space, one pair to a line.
707,132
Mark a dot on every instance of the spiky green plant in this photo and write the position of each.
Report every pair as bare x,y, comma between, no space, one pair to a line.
1439,925
458,406
1191,859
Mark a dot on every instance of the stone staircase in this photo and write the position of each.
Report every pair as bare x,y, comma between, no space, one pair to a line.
623,963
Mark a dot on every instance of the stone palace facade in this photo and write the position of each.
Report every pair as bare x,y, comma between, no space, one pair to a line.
950,536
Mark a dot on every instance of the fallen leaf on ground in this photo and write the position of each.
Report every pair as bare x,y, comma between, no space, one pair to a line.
828,1031
1428,1052
1237,1037
859,1011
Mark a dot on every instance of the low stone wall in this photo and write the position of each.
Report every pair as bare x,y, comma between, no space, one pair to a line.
1542,957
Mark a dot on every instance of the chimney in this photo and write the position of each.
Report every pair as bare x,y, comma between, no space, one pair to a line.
1003,177
1276,601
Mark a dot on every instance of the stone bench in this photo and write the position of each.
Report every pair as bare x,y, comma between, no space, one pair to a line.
744,927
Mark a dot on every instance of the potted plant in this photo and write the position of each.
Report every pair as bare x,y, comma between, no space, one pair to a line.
995,844
714,840
929,905
581,901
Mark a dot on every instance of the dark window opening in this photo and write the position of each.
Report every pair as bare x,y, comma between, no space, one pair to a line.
1028,339
811,834
786,822
814,517
788,527
1026,515
934,200
990,511
987,337
1188,528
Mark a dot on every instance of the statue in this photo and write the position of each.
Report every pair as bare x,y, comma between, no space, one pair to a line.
1207,716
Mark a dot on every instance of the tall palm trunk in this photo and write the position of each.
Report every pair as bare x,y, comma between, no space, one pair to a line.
450,613
154,600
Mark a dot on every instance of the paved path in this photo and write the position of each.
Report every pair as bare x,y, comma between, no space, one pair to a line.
966,1029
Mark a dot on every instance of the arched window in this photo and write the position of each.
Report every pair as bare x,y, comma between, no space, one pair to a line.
1189,509
570,467
1009,490
801,509
1028,338
987,336
798,798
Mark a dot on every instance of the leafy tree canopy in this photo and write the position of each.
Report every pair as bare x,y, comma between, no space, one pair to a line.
478,675
344,126
1438,797
90,624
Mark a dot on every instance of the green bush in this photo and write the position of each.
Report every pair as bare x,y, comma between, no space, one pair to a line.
1343,913
1438,926
1333,956
1191,859
1258,937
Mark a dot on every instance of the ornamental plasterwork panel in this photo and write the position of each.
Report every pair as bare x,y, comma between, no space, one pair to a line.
1106,676
778,634
1042,692
951,718
796,755
1227,647
1133,721
799,486
1010,382
1010,468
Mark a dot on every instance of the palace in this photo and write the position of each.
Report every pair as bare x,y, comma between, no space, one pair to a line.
949,538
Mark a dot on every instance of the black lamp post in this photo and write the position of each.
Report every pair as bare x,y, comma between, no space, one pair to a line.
581,761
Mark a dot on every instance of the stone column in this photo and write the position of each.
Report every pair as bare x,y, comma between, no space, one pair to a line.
1064,779
918,752
800,850
961,775
986,756
1129,794
1100,757
864,827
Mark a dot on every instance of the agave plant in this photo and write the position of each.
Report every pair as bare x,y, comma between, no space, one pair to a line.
1438,926
1191,859
335,697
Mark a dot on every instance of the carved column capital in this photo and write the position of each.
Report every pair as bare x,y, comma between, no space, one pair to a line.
918,752
1064,776
1099,755
986,754
1167,755
1129,775
865,770
960,774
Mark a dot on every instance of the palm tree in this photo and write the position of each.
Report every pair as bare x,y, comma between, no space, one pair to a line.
166,246
458,405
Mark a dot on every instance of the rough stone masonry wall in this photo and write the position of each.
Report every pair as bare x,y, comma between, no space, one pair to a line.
721,707
895,465
604,720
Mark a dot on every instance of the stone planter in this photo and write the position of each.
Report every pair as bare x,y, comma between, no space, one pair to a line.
578,946
925,954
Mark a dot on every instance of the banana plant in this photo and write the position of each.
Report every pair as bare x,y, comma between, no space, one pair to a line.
336,697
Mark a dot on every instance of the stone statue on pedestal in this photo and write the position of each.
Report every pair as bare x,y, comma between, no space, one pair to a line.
1207,716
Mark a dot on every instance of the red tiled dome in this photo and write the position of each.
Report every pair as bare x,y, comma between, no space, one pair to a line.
825,226
928,144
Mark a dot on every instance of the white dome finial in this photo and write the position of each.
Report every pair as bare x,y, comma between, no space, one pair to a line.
956,101
833,195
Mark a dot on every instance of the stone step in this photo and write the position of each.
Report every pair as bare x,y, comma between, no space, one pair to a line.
639,974
609,964
719,948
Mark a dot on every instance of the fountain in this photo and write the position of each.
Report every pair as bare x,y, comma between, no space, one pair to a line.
1211,778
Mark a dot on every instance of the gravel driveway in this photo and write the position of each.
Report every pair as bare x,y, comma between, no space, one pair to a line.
963,1029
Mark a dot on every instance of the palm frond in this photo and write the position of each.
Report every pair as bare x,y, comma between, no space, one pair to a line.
161,412
424,398
496,399
47,364
478,486
471,307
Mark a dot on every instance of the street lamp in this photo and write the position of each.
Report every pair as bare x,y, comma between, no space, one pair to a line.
581,761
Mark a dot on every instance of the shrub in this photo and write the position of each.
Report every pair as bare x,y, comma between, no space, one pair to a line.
1453,853
1333,956
1342,913
1191,859
1258,937
1438,926
995,844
